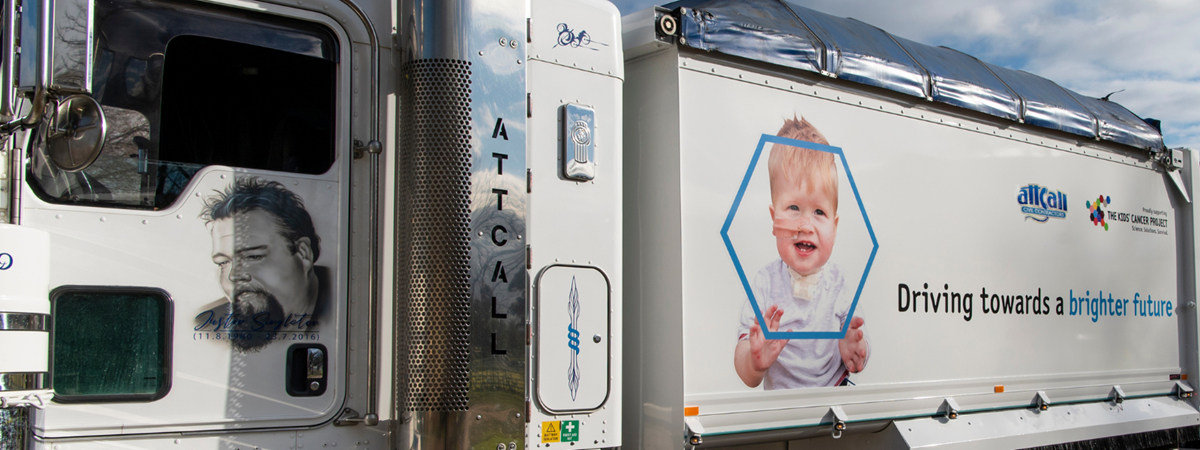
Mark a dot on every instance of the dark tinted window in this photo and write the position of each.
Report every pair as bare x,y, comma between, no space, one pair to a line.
240,105
110,344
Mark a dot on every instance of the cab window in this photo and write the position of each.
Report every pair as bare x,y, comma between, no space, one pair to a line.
219,91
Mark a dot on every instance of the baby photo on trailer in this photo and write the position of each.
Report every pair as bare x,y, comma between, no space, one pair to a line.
797,326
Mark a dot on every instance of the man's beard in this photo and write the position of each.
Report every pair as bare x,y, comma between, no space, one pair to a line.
248,304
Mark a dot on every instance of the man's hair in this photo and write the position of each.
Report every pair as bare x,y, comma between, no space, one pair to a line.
247,194
788,164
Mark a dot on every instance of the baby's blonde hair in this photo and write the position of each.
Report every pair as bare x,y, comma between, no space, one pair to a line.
795,164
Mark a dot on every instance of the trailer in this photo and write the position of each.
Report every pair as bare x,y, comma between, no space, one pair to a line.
268,224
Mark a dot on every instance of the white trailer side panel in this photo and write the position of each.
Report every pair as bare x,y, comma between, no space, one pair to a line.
930,214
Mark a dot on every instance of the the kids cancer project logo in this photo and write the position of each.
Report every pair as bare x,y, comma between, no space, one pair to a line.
1150,220
1097,214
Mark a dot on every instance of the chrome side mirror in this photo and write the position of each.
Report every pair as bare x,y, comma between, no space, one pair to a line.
55,59
56,46
75,133
72,51
28,72
33,64
8,43
55,55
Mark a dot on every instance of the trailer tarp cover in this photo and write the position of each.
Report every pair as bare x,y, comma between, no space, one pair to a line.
960,80
856,51
765,31
1118,124
789,35
1046,104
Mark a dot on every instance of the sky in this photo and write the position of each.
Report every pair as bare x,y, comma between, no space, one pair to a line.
1149,48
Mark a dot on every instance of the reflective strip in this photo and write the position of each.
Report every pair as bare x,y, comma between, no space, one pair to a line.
23,321
26,381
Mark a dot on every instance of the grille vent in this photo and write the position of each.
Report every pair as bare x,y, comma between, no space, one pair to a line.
433,182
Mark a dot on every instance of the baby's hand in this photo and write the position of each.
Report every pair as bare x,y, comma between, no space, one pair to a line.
763,353
854,347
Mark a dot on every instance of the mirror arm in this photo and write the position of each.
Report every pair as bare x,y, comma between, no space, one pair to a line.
33,118
38,109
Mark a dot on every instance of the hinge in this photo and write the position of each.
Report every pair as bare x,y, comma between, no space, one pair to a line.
1041,401
528,181
529,30
695,431
529,257
528,105
949,408
347,417
1171,160
838,417
1182,390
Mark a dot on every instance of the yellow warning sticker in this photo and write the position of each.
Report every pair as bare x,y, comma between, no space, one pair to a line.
550,432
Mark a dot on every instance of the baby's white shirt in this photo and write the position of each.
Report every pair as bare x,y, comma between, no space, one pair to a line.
803,362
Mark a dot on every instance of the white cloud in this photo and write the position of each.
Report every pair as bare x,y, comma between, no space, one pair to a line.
1094,47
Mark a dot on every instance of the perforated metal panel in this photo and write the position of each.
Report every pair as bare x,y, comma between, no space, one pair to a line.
15,428
432,236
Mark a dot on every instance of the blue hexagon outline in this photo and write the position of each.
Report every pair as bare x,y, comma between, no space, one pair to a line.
737,264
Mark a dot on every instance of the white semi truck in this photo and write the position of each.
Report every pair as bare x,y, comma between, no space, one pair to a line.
536,224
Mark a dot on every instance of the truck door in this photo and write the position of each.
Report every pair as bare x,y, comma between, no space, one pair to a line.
199,274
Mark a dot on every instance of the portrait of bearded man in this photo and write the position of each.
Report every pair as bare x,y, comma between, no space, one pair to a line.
265,244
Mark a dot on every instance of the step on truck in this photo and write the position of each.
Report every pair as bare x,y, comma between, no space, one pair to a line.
537,224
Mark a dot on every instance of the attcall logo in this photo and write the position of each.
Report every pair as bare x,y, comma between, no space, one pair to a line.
1097,213
1040,203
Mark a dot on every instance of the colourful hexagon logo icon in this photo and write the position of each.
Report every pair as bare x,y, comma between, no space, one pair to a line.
806,239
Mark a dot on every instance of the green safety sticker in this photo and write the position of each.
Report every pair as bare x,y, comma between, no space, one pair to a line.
569,431
560,431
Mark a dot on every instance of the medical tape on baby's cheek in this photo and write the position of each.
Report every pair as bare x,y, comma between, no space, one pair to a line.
788,227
